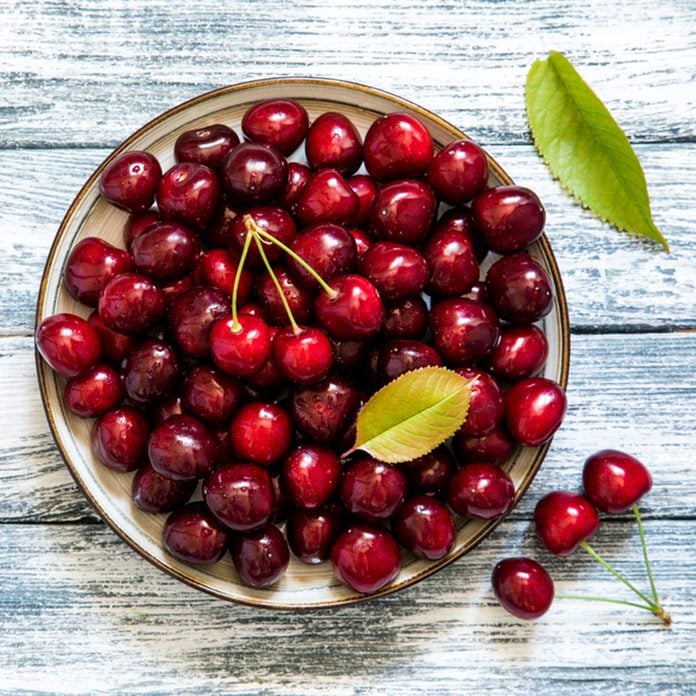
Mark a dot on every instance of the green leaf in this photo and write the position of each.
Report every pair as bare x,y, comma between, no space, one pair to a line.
585,148
413,414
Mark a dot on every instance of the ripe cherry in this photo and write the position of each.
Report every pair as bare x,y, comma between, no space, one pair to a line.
534,410
119,438
305,356
69,344
431,473
153,492
189,193
240,350
494,447
137,224
333,142
260,433
131,303
458,172
402,355
365,187
523,587
130,180
327,198
485,404
94,392
152,370
282,123
451,260
116,347
372,490
211,395
396,270
481,490
270,218
403,212
191,534
254,174
407,318
260,556
298,177
363,240
425,526
458,220
563,520
299,298
191,316
310,476
218,269
166,251
311,533
209,145
520,353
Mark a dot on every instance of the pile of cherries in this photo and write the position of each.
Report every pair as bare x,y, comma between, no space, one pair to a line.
252,312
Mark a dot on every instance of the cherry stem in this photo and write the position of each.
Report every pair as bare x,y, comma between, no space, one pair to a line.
236,326
276,282
592,598
641,531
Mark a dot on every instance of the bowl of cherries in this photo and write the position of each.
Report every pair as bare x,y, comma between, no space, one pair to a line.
231,287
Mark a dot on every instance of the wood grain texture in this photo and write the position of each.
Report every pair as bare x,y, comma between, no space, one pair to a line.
132,629
77,73
612,280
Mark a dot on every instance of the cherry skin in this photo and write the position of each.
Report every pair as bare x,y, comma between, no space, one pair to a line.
270,218
153,492
130,180
401,356
534,410
363,240
365,188
189,193
211,395
69,344
261,556
240,351
365,558
311,533
523,587
431,473
151,372
355,311
167,407
477,293
216,234
563,520
494,447
119,438
397,146
94,392
90,265
464,331
218,268
137,224
615,481
372,490
305,357
333,142
131,303
209,145
298,177
327,198
403,212
116,347
176,288
407,318
509,218
299,298
451,259
481,490
485,404
328,248
166,251
270,375
396,270
519,289
458,172
425,526
260,433
521,353
240,496
191,316
191,534
282,123
182,448
347,355
254,174
310,476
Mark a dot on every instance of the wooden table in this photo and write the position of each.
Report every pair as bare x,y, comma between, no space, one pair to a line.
82,613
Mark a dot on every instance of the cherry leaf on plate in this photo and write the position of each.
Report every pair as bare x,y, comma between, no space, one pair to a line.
413,414
585,148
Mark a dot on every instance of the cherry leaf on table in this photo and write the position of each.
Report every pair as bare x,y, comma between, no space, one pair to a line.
585,148
413,414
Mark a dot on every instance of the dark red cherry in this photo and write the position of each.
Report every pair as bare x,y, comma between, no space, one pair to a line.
372,490
191,534
305,357
209,145
322,410
563,520
211,395
261,556
166,251
311,533
403,212
254,174
119,438
191,317
521,353
176,288
240,351
365,558
402,355
218,269
615,481
189,193
523,587
347,355
363,240
216,234
464,331
137,224
365,187
240,496
116,347
534,410
282,123
298,177
130,180
90,265
509,218
458,220
458,172
272,219
94,392
152,370
397,146
299,298
355,311
396,270
431,473
519,289
131,303
494,447
333,142
328,248
485,405
310,476
182,448
327,198
153,492
407,318
69,344
481,490
260,433
425,526
165,408
451,258
269,376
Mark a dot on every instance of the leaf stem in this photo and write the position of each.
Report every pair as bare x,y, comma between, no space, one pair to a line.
641,531
236,326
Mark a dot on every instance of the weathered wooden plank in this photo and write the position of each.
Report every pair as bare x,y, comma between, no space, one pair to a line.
631,392
91,72
76,601
611,280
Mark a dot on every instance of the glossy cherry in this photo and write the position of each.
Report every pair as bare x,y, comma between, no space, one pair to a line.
218,269
119,438
270,218
534,410
116,347
94,392
310,476
403,355
167,407
211,395
240,350
261,556
365,187
131,303
563,520
299,298
282,123
347,355
494,447
191,317
425,526
458,220
481,490
452,263
372,490
130,180
151,372
523,587
327,198
191,534
166,251
260,433
70,345
137,224
333,142
431,473
407,318
311,533
176,288
363,240
254,174
298,177
458,172
396,270
153,492
270,376
305,357
209,145
189,193
520,353
403,212
485,405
